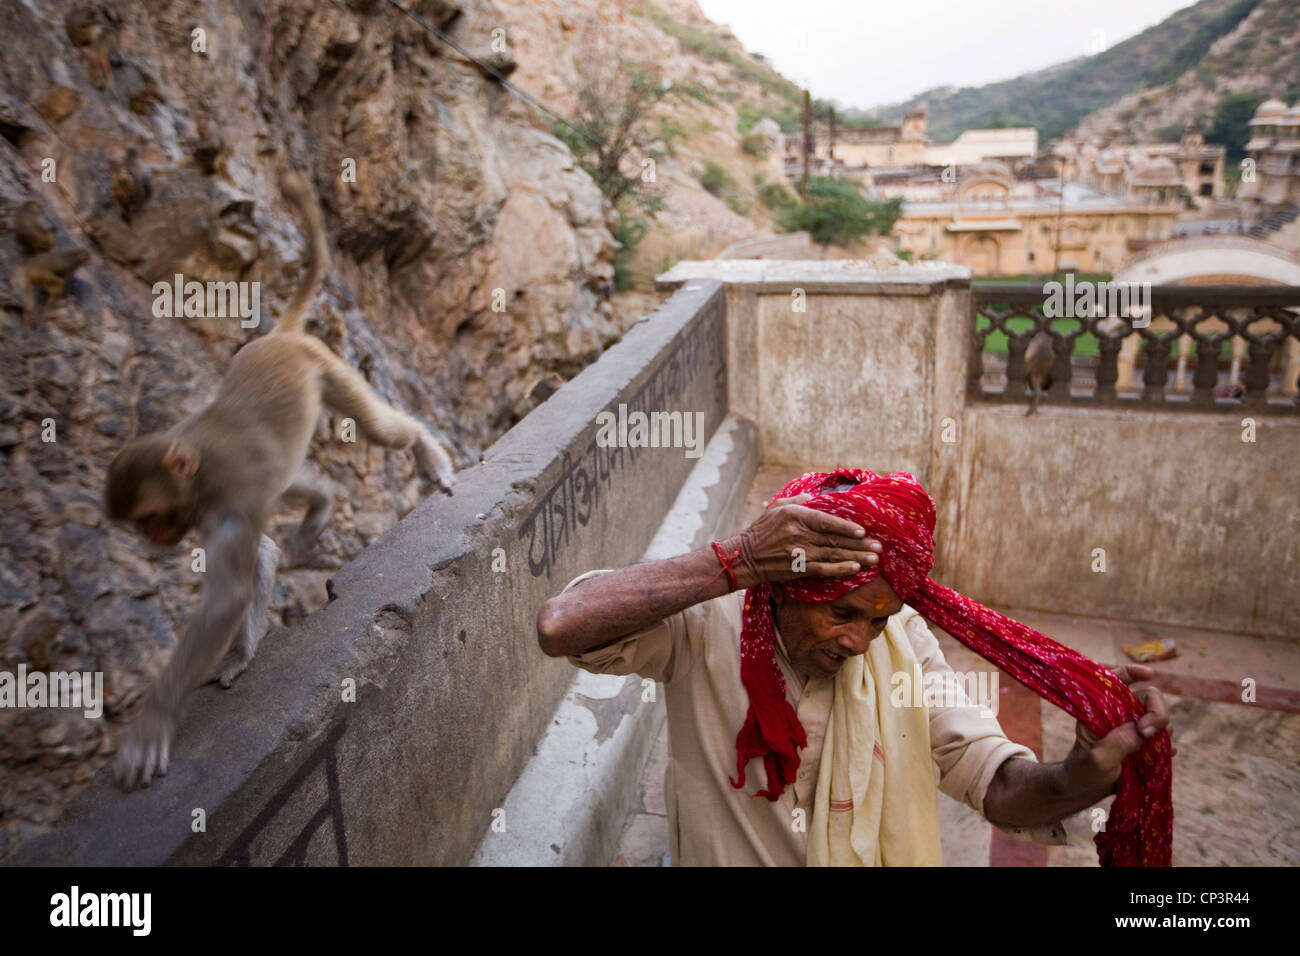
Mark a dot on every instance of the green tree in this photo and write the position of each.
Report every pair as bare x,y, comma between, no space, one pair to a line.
1168,134
1230,126
611,127
837,212
612,135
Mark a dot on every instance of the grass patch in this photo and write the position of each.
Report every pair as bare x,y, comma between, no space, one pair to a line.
1085,346
775,196
754,144
996,341
787,117
717,181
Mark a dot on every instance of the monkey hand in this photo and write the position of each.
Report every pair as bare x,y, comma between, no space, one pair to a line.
434,462
145,748
444,479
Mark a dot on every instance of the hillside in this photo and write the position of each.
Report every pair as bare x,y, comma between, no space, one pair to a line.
1258,59
1168,74
719,91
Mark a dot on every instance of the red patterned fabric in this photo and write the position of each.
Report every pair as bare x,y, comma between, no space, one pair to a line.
898,512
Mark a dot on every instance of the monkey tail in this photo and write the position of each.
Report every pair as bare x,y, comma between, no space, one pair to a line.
299,192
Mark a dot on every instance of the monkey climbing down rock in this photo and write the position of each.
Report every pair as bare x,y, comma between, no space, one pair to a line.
222,471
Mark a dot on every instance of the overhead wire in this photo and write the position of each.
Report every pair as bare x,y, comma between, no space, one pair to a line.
485,67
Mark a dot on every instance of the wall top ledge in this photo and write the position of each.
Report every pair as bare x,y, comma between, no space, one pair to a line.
1128,410
879,275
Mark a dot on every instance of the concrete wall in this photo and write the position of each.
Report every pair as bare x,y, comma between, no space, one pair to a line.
452,691
837,361
842,363
1198,527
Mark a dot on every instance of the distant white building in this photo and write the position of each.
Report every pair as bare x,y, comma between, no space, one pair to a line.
976,145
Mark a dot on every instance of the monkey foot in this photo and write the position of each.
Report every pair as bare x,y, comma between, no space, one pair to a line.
229,669
144,753
301,554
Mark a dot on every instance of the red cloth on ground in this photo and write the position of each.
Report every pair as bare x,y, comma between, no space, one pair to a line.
898,512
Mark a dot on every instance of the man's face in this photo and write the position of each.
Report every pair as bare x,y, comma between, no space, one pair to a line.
820,637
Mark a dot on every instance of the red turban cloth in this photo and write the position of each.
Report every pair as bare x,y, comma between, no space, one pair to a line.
896,510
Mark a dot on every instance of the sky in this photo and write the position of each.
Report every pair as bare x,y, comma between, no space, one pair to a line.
868,53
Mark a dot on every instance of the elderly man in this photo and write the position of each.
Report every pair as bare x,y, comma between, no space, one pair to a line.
790,683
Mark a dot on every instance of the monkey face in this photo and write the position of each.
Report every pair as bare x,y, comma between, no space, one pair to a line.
164,529
165,512
151,486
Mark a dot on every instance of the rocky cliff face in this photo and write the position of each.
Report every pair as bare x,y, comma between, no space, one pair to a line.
468,257
717,85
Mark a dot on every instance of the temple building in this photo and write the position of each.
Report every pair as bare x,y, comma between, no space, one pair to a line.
992,201
876,146
998,225
907,148
1199,165
1189,169
1274,151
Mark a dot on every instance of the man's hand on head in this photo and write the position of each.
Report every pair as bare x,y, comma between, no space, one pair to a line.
611,606
829,546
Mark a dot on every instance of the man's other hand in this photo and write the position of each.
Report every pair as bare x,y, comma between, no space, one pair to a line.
1094,763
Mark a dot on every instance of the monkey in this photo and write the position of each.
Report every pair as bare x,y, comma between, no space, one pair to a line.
34,230
130,185
222,471
86,26
52,271
1038,365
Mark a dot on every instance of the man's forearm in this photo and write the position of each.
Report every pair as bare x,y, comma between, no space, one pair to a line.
607,607
1026,793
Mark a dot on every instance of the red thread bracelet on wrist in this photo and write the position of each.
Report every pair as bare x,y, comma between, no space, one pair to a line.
726,565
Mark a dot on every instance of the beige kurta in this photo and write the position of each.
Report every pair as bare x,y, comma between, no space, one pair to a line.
696,655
